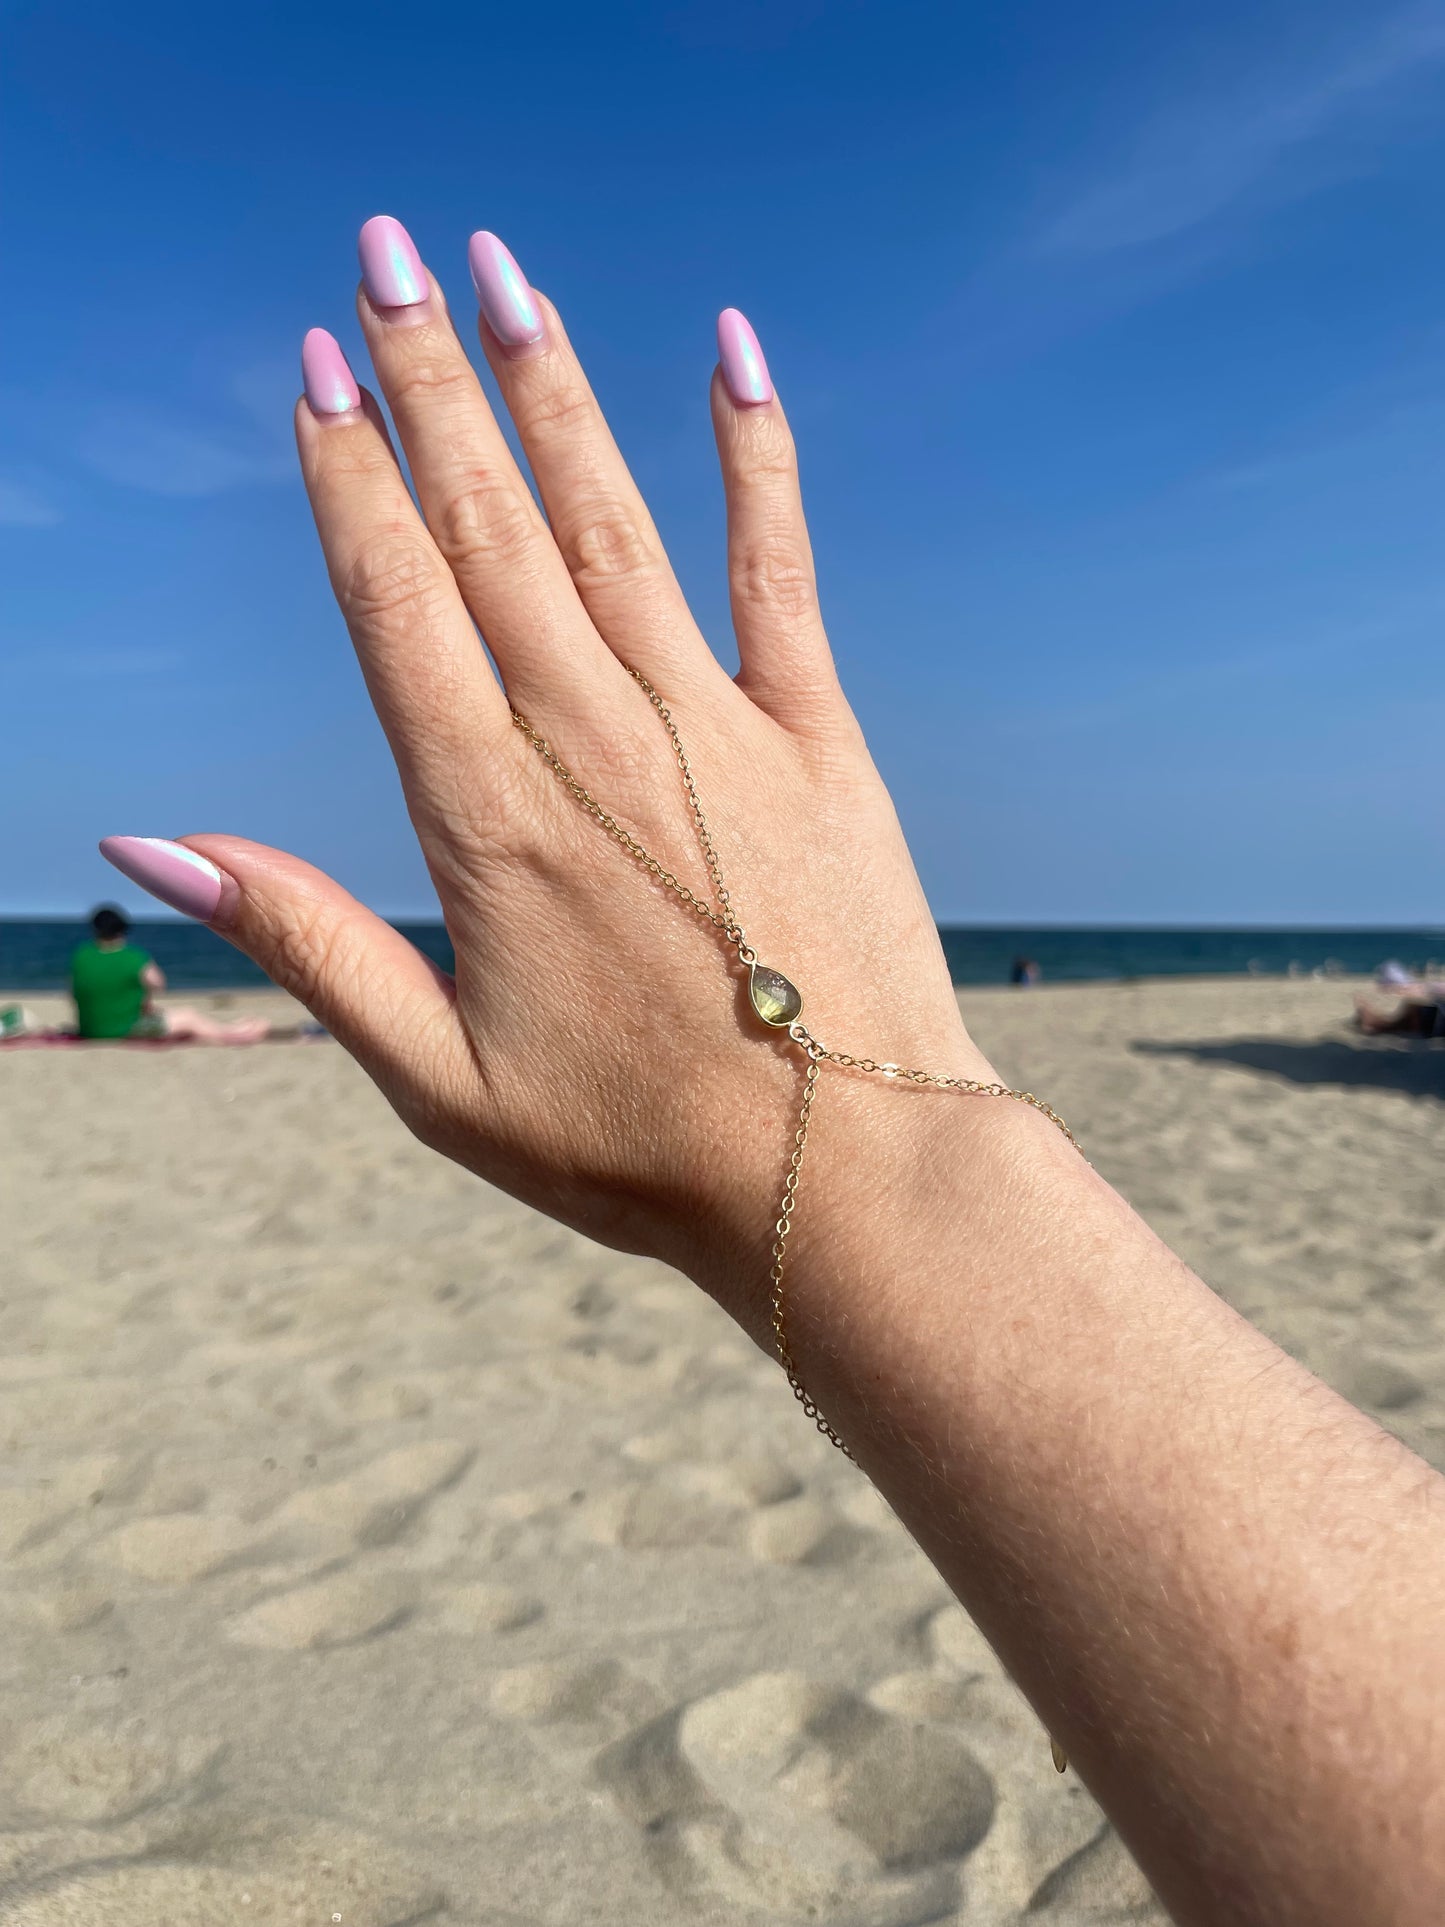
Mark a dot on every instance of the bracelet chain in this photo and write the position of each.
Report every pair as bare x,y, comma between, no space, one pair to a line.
720,914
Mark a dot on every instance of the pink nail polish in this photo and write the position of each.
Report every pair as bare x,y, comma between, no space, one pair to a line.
330,385
182,878
744,369
508,304
390,264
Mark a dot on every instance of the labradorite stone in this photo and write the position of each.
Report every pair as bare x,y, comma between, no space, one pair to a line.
774,999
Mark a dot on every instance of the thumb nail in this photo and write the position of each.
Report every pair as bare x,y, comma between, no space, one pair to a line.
181,878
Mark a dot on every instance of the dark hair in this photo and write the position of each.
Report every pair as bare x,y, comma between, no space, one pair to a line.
108,923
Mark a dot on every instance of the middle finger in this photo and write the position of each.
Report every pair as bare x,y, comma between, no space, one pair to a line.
475,500
598,518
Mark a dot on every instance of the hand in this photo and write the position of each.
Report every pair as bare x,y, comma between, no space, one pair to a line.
596,1054
1219,1584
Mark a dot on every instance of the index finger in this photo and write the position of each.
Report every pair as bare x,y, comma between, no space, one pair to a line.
433,689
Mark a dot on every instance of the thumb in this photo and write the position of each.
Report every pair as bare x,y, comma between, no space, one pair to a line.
390,1006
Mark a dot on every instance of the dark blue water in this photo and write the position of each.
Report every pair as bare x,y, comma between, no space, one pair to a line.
34,955
979,954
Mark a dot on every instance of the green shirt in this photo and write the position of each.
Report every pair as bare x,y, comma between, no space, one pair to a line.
107,988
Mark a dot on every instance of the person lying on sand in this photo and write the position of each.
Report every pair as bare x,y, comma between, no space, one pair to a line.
1419,1013
115,984
1222,1587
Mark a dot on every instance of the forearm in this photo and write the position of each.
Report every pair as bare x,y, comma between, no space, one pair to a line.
1219,1584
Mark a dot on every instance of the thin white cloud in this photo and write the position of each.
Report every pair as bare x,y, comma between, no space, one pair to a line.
143,447
1268,139
24,507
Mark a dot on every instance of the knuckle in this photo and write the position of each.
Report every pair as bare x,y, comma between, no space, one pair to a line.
560,409
768,452
395,575
343,460
608,545
304,950
483,520
768,466
426,376
777,579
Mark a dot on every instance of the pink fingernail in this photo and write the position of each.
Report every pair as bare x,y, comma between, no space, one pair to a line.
390,264
744,369
330,385
507,303
182,878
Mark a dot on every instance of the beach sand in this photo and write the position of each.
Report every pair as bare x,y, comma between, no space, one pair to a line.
372,1551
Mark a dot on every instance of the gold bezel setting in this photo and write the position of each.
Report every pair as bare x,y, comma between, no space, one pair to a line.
775,998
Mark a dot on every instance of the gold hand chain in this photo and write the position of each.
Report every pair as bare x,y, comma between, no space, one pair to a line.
779,1004
776,1001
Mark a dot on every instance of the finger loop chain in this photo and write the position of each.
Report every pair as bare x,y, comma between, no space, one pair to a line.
778,1003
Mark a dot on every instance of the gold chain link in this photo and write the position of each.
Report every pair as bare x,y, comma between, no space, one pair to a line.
721,915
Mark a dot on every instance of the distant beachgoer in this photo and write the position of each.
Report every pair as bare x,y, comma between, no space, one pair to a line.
1420,1013
1024,972
1393,975
114,984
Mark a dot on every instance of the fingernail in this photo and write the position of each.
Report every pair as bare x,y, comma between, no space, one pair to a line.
390,264
180,877
508,304
330,385
744,369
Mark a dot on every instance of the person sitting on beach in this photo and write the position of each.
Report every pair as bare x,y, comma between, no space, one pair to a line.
114,984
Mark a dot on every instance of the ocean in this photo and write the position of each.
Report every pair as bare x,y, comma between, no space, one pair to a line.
34,953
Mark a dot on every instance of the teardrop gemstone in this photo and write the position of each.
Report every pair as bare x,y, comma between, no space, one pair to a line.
776,1001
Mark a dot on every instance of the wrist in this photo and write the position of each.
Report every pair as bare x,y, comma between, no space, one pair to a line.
894,1177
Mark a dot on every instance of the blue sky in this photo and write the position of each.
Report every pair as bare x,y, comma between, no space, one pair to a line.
1113,337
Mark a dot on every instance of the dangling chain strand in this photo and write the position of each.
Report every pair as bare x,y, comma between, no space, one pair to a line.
721,916
778,1003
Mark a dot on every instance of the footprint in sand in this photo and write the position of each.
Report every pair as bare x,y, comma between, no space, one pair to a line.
317,1874
665,1514
652,1516
471,1610
377,1504
31,1515
28,1518
749,1500
96,1775
956,1646
337,1611
802,1532
71,1608
805,1802
369,1399
1381,1385
615,1368
583,1702
180,1547
914,1695
1096,1885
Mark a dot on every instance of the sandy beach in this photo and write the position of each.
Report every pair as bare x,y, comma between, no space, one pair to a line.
373,1551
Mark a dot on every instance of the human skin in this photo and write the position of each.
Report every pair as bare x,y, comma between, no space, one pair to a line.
1218,1583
